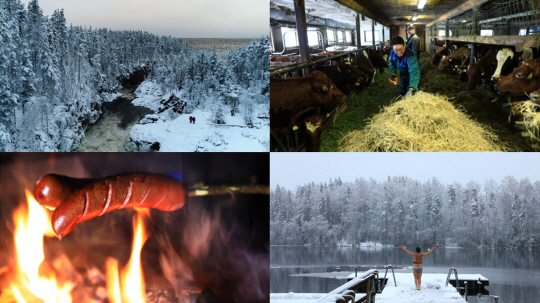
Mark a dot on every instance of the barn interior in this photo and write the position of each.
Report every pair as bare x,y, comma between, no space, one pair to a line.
303,29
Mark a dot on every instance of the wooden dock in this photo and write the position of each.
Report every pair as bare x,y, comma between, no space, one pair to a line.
433,289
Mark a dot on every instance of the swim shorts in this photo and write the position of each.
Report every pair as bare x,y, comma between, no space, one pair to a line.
418,270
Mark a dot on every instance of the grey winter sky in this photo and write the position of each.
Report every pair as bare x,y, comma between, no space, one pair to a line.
292,169
177,18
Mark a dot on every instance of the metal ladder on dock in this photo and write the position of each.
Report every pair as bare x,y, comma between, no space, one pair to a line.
384,279
454,270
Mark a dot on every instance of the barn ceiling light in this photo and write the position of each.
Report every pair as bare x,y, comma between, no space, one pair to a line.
414,18
421,4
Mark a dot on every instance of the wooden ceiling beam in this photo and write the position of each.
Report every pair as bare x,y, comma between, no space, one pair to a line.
363,11
459,10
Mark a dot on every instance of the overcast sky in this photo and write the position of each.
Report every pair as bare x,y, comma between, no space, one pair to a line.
292,169
178,18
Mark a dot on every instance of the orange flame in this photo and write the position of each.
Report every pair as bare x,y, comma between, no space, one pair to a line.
30,283
29,231
131,278
113,281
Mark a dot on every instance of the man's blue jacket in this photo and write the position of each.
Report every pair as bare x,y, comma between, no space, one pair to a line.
409,68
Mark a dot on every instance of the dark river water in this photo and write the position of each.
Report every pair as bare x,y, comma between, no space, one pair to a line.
111,130
514,275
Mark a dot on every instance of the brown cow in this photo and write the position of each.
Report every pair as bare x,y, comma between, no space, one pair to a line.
523,80
481,70
377,60
440,54
291,98
344,75
313,126
456,58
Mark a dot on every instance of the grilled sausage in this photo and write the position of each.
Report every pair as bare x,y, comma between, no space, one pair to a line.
79,200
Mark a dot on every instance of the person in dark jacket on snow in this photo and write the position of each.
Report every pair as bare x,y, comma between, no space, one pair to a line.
404,60
193,119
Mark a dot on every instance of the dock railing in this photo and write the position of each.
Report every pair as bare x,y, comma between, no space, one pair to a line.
347,292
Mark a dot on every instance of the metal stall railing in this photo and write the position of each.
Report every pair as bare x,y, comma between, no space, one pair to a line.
302,66
492,18
301,69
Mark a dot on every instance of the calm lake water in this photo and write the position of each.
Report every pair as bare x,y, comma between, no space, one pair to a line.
514,275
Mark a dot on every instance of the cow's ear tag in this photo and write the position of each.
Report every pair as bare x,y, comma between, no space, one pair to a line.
482,74
295,127
530,76
519,58
464,70
349,63
327,115
324,88
449,59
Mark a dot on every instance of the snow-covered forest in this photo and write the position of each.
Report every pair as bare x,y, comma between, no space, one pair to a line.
54,77
400,210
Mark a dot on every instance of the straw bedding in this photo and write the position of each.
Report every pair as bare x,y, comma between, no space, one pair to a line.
422,123
531,119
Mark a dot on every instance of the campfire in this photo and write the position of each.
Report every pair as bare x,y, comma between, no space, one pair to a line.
196,254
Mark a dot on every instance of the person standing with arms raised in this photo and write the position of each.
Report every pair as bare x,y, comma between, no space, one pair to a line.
417,267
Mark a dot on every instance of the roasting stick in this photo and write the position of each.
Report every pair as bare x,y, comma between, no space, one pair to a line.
225,190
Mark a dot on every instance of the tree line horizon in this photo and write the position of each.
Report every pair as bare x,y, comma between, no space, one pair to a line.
401,210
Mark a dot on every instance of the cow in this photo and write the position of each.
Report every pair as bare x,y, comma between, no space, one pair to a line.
439,55
365,65
523,80
480,70
508,60
535,96
312,126
456,58
344,75
377,60
293,97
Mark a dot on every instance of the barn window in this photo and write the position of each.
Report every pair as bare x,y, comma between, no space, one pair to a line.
331,37
348,36
523,32
340,37
368,36
442,33
290,39
313,38
486,32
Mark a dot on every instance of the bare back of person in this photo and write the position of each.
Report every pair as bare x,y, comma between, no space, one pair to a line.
417,261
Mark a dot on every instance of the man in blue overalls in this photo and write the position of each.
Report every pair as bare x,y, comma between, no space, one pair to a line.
406,61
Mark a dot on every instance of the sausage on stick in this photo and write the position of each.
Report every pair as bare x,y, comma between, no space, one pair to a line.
79,200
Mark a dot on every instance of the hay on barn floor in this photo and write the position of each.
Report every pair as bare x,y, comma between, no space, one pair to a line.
421,123
531,119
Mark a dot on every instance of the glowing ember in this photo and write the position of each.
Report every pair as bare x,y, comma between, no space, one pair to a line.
29,231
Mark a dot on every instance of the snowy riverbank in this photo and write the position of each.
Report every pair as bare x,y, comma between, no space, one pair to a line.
169,131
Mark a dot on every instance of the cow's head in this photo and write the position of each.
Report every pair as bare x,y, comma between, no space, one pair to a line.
535,96
351,73
324,90
445,62
475,73
524,79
